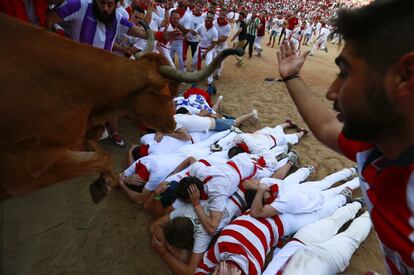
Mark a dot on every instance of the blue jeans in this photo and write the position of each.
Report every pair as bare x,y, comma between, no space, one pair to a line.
223,124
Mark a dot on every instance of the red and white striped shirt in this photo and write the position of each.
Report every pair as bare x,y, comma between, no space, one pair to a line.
389,187
245,242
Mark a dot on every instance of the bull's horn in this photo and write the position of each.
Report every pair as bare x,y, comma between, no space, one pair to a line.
192,77
150,40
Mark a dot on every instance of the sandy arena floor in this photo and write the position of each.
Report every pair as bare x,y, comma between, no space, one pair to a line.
58,230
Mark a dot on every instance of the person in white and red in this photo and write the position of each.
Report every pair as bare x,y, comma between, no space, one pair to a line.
246,241
297,35
373,124
321,40
164,48
209,38
223,29
190,22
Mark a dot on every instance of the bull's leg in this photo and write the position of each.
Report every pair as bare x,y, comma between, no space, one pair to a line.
74,164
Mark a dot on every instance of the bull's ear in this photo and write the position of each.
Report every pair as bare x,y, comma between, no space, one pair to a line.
165,91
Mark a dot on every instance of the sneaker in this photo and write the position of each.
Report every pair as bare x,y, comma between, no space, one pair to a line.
347,192
211,90
241,62
217,77
260,52
255,115
282,156
235,130
326,49
292,125
293,158
311,169
361,200
104,134
117,139
268,44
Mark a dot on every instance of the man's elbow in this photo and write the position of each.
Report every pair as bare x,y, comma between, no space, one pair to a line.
256,214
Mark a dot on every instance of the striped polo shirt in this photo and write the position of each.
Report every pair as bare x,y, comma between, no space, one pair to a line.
388,186
86,28
252,26
245,242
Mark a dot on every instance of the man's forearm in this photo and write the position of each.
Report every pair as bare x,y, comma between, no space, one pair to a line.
177,266
205,220
320,118
257,205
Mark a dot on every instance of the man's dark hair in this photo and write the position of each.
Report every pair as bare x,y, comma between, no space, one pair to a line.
379,33
242,14
138,9
182,189
249,197
179,233
182,110
234,151
135,153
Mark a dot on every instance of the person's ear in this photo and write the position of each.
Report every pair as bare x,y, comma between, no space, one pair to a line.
405,76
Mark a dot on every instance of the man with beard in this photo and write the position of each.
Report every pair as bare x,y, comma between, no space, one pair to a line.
374,95
96,22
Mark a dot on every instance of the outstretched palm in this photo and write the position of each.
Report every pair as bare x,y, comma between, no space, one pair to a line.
290,61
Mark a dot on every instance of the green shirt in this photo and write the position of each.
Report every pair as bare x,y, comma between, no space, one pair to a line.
252,26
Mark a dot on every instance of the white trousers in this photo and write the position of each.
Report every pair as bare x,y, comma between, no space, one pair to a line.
302,173
166,53
197,59
219,70
322,237
177,48
293,222
281,138
257,42
320,44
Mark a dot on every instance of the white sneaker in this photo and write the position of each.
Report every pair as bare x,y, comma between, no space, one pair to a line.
255,114
104,135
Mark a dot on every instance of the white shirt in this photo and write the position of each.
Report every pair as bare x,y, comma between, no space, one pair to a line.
207,36
194,123
224,179
278,25
201,238
325,33
222,31
295,198
158,166
191,22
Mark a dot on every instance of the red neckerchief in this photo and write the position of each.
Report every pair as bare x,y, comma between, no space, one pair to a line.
222,22
244,146
142,171
181,12
143,150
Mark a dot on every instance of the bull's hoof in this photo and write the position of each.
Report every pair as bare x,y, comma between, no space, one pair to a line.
98,189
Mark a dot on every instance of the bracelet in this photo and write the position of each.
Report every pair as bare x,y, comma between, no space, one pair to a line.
290,77
157,198
196,204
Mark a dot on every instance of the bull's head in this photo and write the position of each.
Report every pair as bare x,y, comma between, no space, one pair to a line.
164,87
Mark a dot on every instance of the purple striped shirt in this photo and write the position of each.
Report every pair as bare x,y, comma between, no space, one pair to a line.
86,28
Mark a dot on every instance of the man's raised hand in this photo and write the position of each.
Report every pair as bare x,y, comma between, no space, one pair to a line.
290,61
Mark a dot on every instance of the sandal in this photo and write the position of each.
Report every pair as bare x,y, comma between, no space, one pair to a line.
292,125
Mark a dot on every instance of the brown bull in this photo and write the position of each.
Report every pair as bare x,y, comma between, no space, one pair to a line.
56,95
